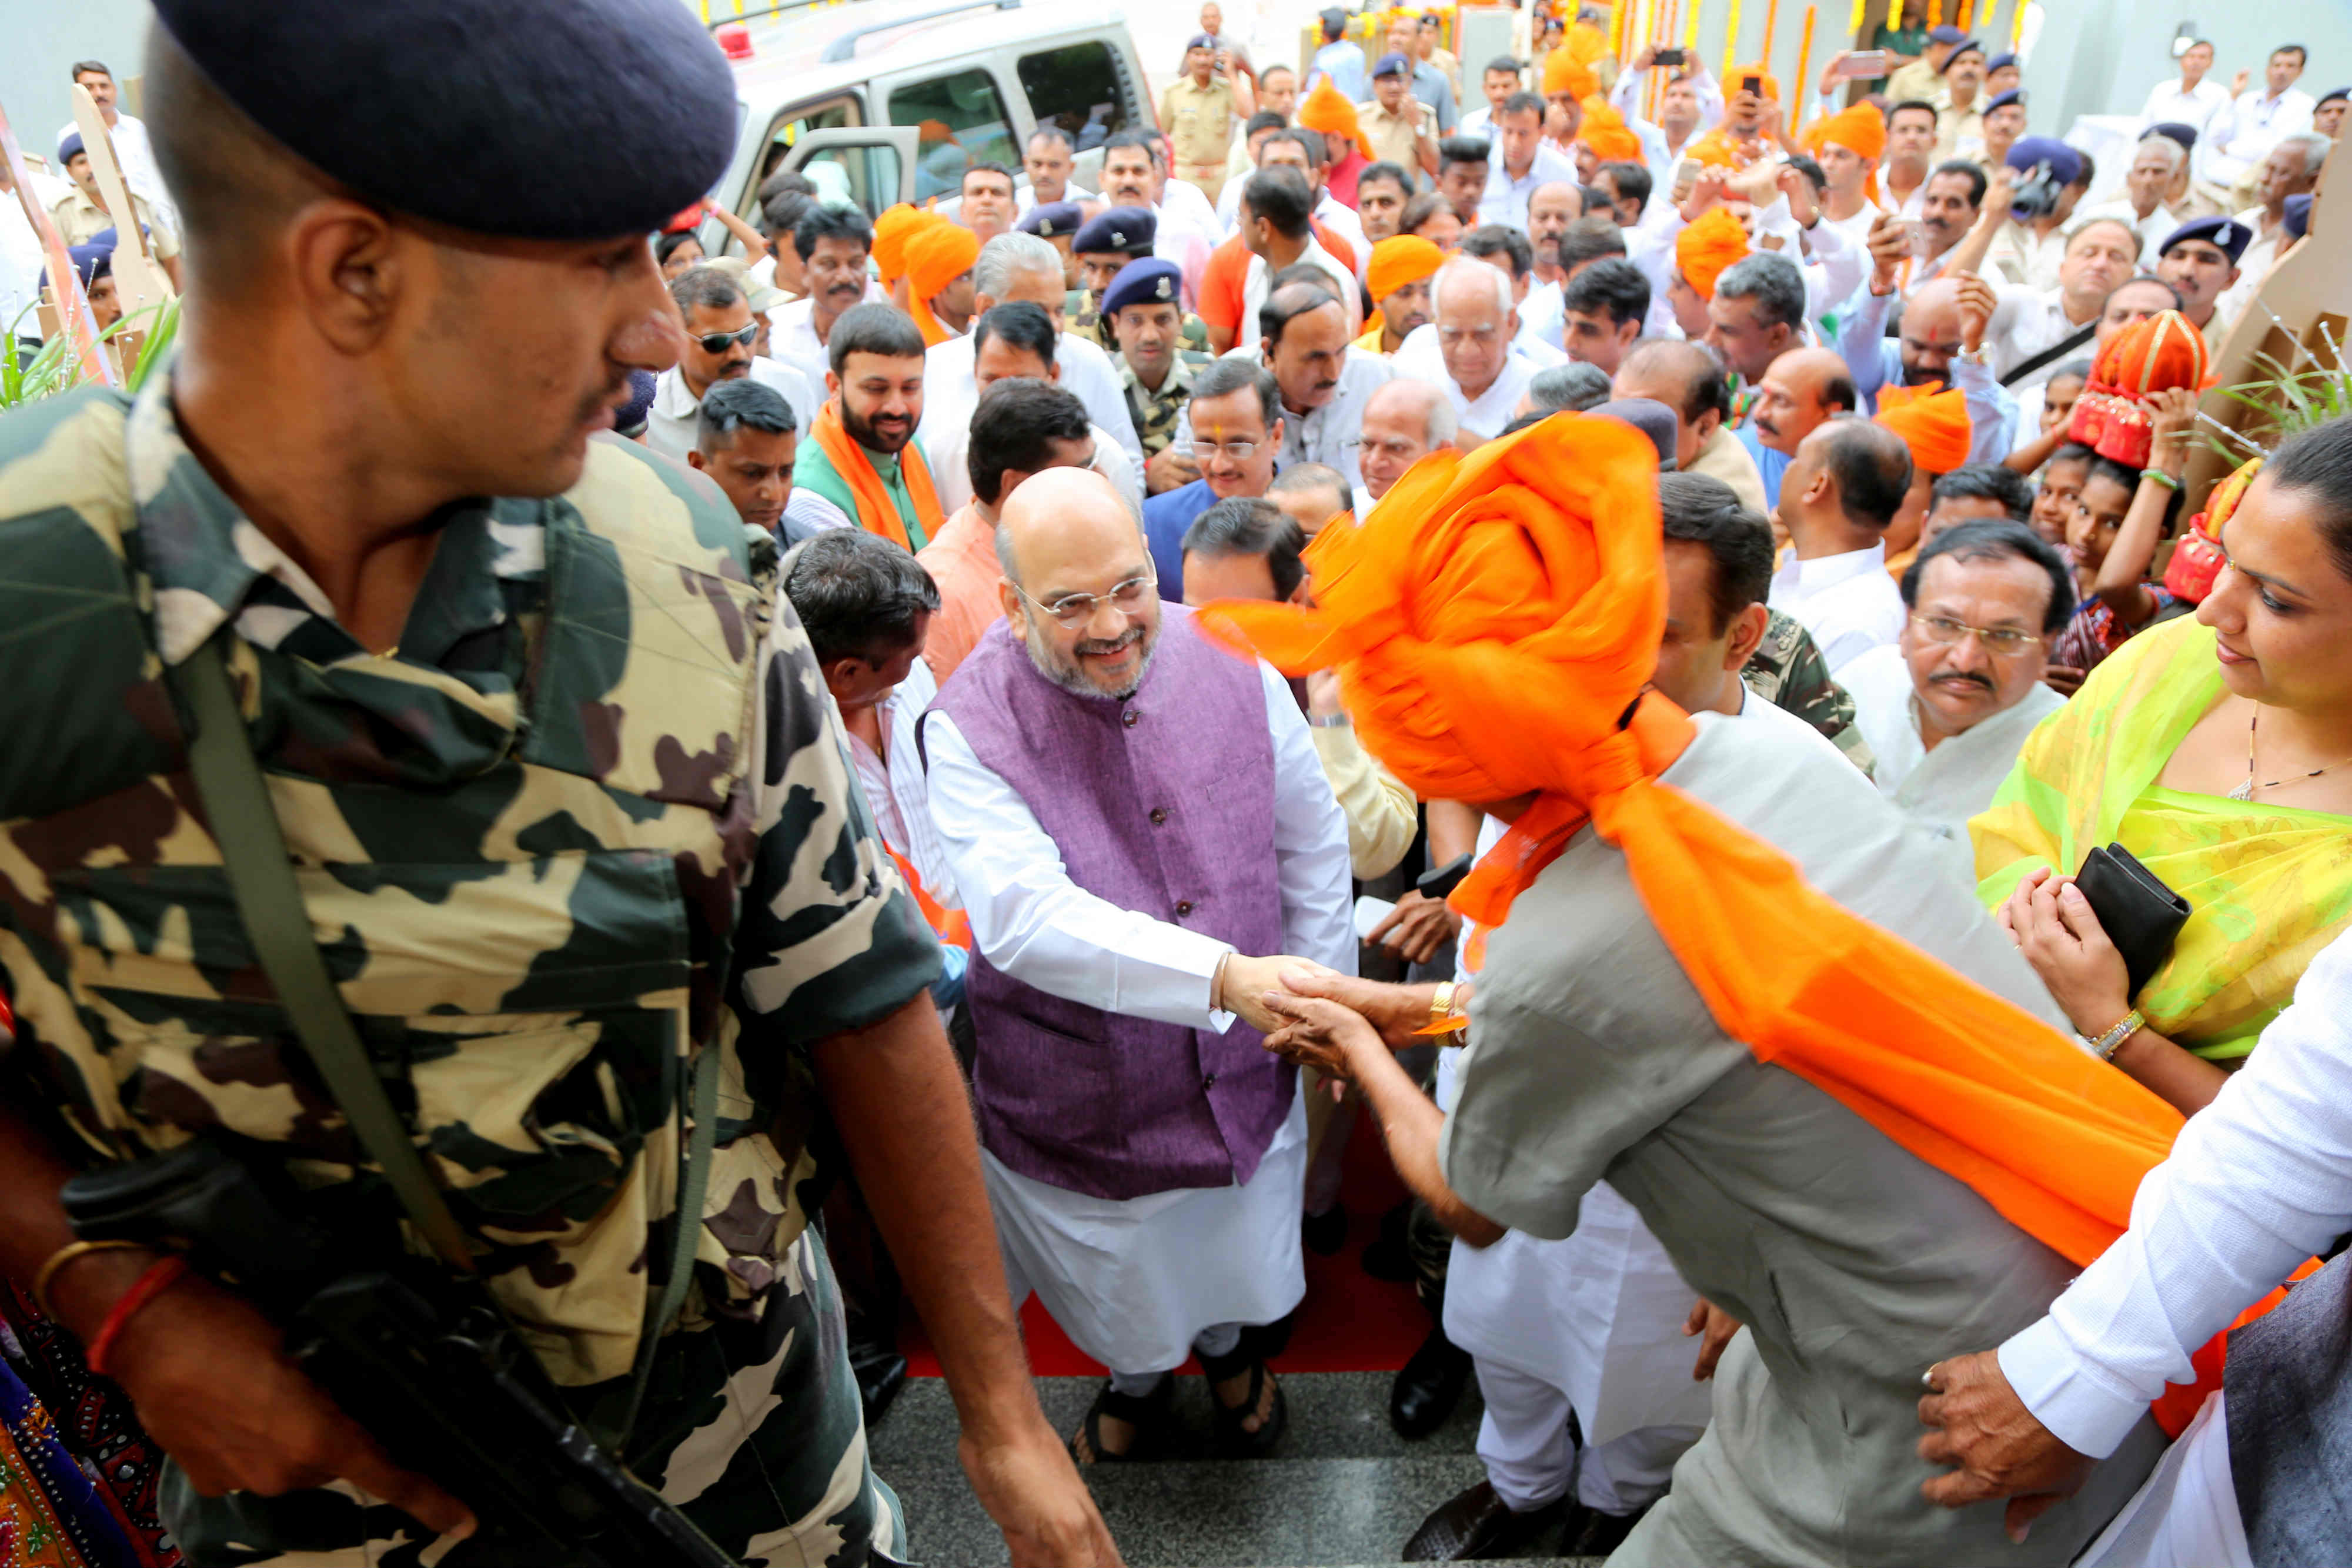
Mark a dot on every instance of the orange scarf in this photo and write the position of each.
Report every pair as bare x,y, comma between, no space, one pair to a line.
1495,617
876,512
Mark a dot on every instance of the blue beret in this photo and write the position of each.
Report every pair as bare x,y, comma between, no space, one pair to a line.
2298,215
67,148
2004,100
1150,281
1130,229
1391,65
2333,94
1332,16
1946,34
2227,234
1968,46
1997,61
1199,41
1052,220
629,418
2065,163
2174,130
559,120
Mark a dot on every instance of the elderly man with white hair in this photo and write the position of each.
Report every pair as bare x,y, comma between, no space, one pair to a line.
1024,267
1467,350
1404,421
2153,186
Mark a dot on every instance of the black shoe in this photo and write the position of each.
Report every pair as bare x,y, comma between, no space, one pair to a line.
1386,1258
1589,1532
1476,1525
1325,1233
1428,1386
880,1372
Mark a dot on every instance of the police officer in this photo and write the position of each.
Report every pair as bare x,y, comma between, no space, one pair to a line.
1145,317
1059,222
541,742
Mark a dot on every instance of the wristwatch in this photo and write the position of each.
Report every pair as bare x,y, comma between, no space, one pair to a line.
1330,720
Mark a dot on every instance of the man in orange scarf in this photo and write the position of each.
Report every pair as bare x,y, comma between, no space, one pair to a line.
861,467
1722,972
938,280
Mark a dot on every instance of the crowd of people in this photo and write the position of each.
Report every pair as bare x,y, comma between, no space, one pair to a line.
1550,426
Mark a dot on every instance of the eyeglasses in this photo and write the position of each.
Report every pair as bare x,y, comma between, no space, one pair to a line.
1075,610
1235,451
719,342
2000,641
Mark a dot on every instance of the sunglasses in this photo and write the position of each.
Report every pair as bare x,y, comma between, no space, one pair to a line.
719,342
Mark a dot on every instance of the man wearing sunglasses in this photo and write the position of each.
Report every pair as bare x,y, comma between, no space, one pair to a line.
1150,822
719,332
1948,706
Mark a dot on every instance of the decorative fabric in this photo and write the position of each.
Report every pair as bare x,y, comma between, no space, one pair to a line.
1932,423
876,512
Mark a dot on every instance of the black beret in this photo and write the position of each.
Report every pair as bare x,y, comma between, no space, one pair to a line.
2297,221
1966,46
2227,236
1052,220
2173,130
2004,100
561,119
1150,281
1130,229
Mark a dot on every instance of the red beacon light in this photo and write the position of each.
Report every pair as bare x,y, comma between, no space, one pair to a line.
734,40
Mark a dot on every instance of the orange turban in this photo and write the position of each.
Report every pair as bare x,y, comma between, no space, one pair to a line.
1861,129
891,231
1327,109
1933,423
1605,132
1493,619
1765,79
938,255
1563,72
1398,260
1704,249
1586,43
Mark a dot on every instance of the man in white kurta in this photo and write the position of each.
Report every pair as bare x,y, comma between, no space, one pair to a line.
1947,706
1157,1270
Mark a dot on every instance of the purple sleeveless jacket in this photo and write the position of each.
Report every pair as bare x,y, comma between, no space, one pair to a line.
1162,804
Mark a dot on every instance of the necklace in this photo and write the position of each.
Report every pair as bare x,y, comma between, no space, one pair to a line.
2246,791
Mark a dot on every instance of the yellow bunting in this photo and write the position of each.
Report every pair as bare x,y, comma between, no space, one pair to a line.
1968,10
1690,28
1804,64
1934,13
2016,23
1853,24
1771,27
1730,40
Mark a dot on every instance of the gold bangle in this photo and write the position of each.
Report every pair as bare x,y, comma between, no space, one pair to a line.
1440,1003
67,1254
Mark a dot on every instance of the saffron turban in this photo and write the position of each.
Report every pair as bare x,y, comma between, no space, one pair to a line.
1327,109
1768,83
1932,423
1606,133
1586,44
1704,249
891,231
1398,260
938,255
1494,621
1861,130
1563,72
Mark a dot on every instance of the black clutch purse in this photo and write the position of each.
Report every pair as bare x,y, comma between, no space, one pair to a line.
2140,916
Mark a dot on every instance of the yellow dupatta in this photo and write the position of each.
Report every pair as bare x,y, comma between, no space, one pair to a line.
2268,885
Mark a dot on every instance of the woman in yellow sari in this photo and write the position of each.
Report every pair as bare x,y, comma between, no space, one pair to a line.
2219,752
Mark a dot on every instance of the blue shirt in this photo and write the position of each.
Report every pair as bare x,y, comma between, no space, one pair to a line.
1769,464
1165,518
1343,62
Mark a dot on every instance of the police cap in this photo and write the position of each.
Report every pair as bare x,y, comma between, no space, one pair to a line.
2227,235
1052,220
1130,229
557,119
1150,281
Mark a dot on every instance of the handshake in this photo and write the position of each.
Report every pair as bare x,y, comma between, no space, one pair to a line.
1317,1017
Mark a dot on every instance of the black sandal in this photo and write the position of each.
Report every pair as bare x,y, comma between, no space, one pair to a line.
1235,1439
1147,1413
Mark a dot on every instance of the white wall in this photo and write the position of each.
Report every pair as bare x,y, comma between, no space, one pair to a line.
39,42
2101,57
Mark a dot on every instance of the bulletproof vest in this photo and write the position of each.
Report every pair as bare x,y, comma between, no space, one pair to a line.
520,855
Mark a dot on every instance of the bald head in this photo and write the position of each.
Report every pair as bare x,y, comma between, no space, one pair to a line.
1931,331
1802,388
1078,582
1687,378
1404,421
1059,521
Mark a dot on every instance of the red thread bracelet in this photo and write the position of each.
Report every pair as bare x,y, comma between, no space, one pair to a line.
160,1277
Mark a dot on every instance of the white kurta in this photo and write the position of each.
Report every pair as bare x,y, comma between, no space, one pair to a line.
1420,358
1133,1283
1938,789
1847,601
951,392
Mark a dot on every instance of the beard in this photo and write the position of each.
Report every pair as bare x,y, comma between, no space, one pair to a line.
862,431
1065,672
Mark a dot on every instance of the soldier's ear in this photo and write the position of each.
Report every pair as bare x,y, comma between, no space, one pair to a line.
348,266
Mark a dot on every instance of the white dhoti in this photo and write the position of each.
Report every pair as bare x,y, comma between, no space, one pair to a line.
1591,1323
2186,1515
1135,1282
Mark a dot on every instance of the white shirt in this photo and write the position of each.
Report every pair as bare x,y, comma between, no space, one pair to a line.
1420,358
793,341
1254,290
21,263
947,457
1542,315
135,155
2167,104
2018,256
1664,157
896,786
2026,322
1938,789
1032,922
1327,434
1847,601
2258,1181
1026,197
1505,200
670,422
2255,264
2241,135
951,392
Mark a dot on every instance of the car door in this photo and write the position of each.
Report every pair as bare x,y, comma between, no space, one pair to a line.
871,166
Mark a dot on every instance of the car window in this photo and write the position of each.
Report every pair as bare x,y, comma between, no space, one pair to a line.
826,114
960,120
866,176
1075,87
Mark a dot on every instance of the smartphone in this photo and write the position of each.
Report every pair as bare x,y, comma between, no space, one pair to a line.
1866,64
1676,58
1752,84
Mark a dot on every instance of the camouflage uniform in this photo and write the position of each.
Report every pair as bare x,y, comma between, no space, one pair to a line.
1080,315
1158,413
1788,670
538,899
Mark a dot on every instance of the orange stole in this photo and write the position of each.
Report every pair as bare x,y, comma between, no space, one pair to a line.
876,512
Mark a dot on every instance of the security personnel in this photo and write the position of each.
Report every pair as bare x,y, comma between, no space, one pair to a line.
566,805
1144,305
1110,242
1058,222
2199,259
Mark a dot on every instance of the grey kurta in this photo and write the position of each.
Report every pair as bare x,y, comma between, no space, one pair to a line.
1854,1264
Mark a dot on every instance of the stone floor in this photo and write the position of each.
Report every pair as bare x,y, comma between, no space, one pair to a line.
1343,1489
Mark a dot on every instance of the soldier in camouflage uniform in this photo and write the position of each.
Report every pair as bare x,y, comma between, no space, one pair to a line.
1155,369
1788,672
565,799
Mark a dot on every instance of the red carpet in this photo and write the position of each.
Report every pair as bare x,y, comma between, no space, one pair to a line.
1349,1321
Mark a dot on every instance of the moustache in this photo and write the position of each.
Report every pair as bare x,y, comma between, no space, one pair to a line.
1961,677
1102,647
